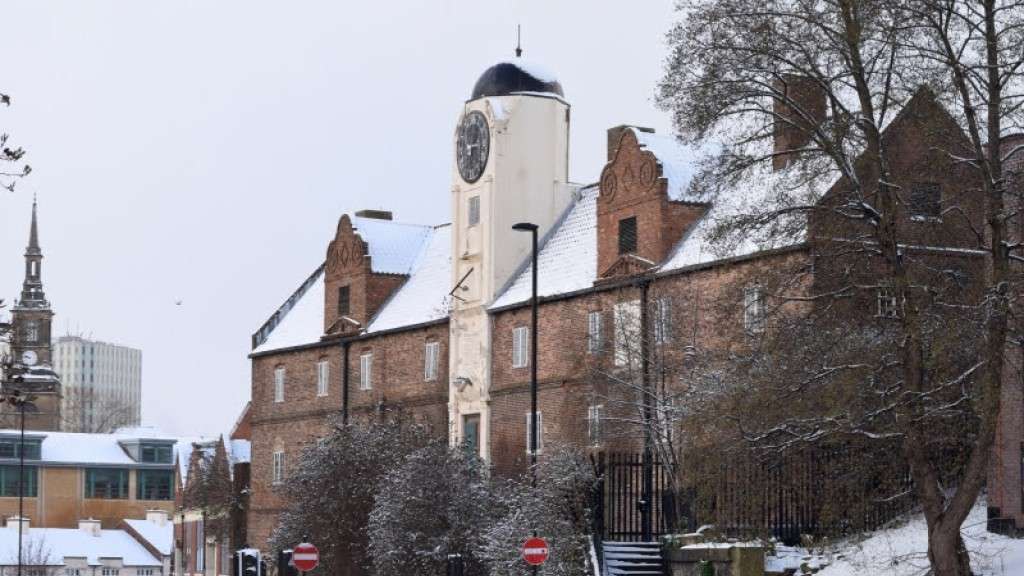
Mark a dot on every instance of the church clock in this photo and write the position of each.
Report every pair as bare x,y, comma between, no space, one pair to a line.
472,146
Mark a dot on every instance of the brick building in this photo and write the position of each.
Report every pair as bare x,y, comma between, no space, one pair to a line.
433,321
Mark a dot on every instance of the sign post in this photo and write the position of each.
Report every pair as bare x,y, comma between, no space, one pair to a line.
305,557
535,551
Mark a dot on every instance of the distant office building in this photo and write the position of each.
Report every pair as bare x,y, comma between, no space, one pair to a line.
102,384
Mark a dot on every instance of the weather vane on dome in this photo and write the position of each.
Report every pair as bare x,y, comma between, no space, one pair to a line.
519,49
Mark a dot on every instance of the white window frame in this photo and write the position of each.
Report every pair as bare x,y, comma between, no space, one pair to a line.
431,354
277,468
279,377
520,347
754,309
366,371
888,303
323,377
594,336
540,431
662,320
595,424
627,331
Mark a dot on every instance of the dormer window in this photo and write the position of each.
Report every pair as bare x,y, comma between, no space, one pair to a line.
627,235
156,454
10,448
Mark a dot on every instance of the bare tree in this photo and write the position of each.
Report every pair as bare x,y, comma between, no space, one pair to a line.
919,361
12,165
87,410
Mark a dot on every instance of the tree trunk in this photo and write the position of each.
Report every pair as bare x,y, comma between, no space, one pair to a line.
947,553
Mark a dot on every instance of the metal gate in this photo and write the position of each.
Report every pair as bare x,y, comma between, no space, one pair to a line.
633,500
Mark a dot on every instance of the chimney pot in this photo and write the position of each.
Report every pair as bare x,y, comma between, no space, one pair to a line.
12,522
158,517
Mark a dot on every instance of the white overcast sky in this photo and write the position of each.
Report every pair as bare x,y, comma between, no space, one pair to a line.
203,151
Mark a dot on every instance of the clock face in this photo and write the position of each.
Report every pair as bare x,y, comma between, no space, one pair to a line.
472,146
28,358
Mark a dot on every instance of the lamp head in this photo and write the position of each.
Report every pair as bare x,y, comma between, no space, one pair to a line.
525,227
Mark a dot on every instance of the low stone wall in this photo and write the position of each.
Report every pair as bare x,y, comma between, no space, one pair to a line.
726,559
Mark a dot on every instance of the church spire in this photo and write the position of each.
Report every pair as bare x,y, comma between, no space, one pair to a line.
32,295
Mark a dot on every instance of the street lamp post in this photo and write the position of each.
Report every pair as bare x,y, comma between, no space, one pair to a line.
532,229
22,402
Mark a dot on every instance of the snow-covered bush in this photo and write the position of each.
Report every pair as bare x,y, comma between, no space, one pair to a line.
331,489
432,505
558,509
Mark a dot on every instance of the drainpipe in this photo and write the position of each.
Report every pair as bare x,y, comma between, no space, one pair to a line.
647,494
344,382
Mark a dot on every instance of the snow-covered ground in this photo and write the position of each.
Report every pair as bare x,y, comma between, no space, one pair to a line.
902,551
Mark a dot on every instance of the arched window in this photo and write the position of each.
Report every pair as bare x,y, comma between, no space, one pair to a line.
32,331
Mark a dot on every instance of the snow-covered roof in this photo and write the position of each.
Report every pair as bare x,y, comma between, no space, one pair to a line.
394,247
424,297
567,261
157,536
82,448
56,544
677,162
303,323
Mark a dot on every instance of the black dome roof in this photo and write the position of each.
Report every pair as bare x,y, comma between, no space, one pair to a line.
510,77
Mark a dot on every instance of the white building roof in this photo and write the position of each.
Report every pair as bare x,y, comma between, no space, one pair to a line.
424,297
394,247
56,544
88,449
159,537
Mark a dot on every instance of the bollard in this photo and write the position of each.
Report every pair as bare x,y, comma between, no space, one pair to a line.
455,565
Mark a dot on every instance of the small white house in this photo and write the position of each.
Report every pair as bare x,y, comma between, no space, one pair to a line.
84,551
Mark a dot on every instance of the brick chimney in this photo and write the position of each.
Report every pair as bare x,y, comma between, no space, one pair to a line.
158,517
90,526
807,111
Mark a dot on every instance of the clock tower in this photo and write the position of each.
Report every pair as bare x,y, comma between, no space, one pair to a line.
510,165
30,368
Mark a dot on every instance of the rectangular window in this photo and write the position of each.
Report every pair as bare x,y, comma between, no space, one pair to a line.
888,304
627,235
520,347
471,433
278,470
154,484
431,351
279,384
662,320
594,342
925,201
343,301
156,454
72,572
110,571
323,374
595,415
108,483
540,432
10,448
144,572
366,371
753,309
9,481
473,211
627,332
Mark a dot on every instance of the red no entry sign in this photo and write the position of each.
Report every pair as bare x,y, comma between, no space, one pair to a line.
305,556
535,551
